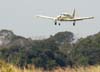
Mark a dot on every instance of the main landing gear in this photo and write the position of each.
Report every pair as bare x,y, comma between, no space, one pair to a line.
74,23
57,23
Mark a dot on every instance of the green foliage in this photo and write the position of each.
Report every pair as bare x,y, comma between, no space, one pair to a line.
54,51
87,51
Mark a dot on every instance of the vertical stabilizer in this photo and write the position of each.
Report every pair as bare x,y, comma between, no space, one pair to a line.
73,17
73,13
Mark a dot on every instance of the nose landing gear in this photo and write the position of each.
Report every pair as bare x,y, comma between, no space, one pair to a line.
57,23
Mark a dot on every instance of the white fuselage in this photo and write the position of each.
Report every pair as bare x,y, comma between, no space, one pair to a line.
64,17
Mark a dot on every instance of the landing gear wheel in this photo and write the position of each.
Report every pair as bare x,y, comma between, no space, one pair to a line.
55,23
73,24
59,24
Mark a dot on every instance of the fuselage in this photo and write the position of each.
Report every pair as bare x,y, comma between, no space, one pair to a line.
64,17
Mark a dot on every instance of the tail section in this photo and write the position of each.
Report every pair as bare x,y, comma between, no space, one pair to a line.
73,13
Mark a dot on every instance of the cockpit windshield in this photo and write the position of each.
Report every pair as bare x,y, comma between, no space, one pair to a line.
66,15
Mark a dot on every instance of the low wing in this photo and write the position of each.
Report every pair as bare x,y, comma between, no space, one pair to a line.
83,18
47,17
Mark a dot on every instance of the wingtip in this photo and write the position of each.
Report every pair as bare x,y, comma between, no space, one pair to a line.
37,15
92,17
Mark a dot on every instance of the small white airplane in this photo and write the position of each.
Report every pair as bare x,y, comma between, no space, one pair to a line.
65,17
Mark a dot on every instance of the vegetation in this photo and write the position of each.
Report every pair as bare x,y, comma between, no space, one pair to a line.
87,51
5,67
56,51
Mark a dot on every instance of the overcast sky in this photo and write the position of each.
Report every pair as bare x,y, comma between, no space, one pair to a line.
18,16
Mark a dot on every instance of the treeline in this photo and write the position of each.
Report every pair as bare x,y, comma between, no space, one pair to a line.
58,50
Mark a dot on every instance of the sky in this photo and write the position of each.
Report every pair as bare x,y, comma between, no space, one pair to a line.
18,16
